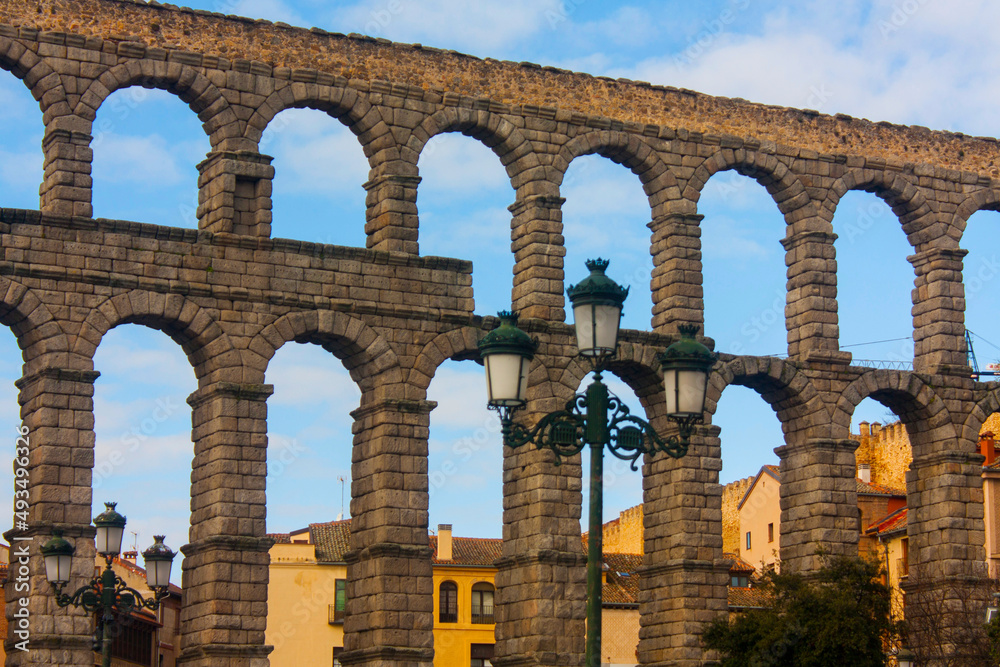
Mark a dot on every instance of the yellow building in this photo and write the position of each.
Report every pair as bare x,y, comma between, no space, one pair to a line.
307,595
893,551
464,577
308,584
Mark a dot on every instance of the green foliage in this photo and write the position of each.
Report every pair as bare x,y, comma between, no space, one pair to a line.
839,616
993,633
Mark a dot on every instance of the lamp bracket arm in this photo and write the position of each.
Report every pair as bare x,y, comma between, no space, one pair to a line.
560,431
632,436
128,599
88,596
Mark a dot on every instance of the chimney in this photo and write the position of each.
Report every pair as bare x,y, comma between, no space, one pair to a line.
130,556
444,541
865,473
864,428
987,447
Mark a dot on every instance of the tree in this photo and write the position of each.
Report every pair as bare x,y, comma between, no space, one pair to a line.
945,623
839,616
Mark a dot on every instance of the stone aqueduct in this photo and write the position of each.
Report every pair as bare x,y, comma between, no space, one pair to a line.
230,295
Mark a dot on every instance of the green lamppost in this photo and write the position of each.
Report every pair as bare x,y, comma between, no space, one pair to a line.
596,417
107,593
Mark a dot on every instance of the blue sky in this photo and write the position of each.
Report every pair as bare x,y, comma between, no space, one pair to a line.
919,62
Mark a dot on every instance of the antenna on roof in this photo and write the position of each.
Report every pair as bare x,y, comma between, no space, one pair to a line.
340,517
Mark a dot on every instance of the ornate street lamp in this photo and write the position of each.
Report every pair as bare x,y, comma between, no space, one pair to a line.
596,417
107,592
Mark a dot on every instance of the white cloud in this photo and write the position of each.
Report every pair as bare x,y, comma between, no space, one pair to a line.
458,167
306,375
134,159
461,397
485,27
315,154
849,61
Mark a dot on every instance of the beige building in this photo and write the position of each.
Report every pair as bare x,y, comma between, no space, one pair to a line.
759,516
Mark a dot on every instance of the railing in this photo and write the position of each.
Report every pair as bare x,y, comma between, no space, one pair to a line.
483,616
336,615
448,617
884,364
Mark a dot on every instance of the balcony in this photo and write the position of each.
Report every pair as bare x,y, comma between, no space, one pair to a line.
336,615
483,615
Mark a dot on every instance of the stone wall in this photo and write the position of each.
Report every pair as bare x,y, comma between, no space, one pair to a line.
887,450
230,296
732,494
624,534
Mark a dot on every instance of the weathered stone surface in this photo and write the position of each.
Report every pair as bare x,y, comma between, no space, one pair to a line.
232,295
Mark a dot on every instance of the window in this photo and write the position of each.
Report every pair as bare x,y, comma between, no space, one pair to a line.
748,540
482,603
482,654
904,562
337,650
770,533
339,606
739,581
133,641
449,602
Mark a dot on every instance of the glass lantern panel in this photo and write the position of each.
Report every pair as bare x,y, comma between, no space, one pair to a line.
692,391
158,573
596,329
109,540
506,379
57,568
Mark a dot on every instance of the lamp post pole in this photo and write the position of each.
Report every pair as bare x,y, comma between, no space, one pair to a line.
107,593
595,418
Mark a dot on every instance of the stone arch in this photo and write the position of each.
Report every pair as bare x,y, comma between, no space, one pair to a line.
455,344
630,151
368,358
987,199
493,131
207,346
187,83
37,332
902,196
784,186
45,84
916,403
988,402
790,394
345,104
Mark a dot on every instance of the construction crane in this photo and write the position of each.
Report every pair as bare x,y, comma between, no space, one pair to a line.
971,353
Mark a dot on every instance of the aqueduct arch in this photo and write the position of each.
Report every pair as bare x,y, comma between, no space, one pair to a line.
418,311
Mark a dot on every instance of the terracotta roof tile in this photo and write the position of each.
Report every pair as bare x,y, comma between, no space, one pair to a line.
622,581
893,522
739,565
332,540
748,598
870,489
470,550
280,538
